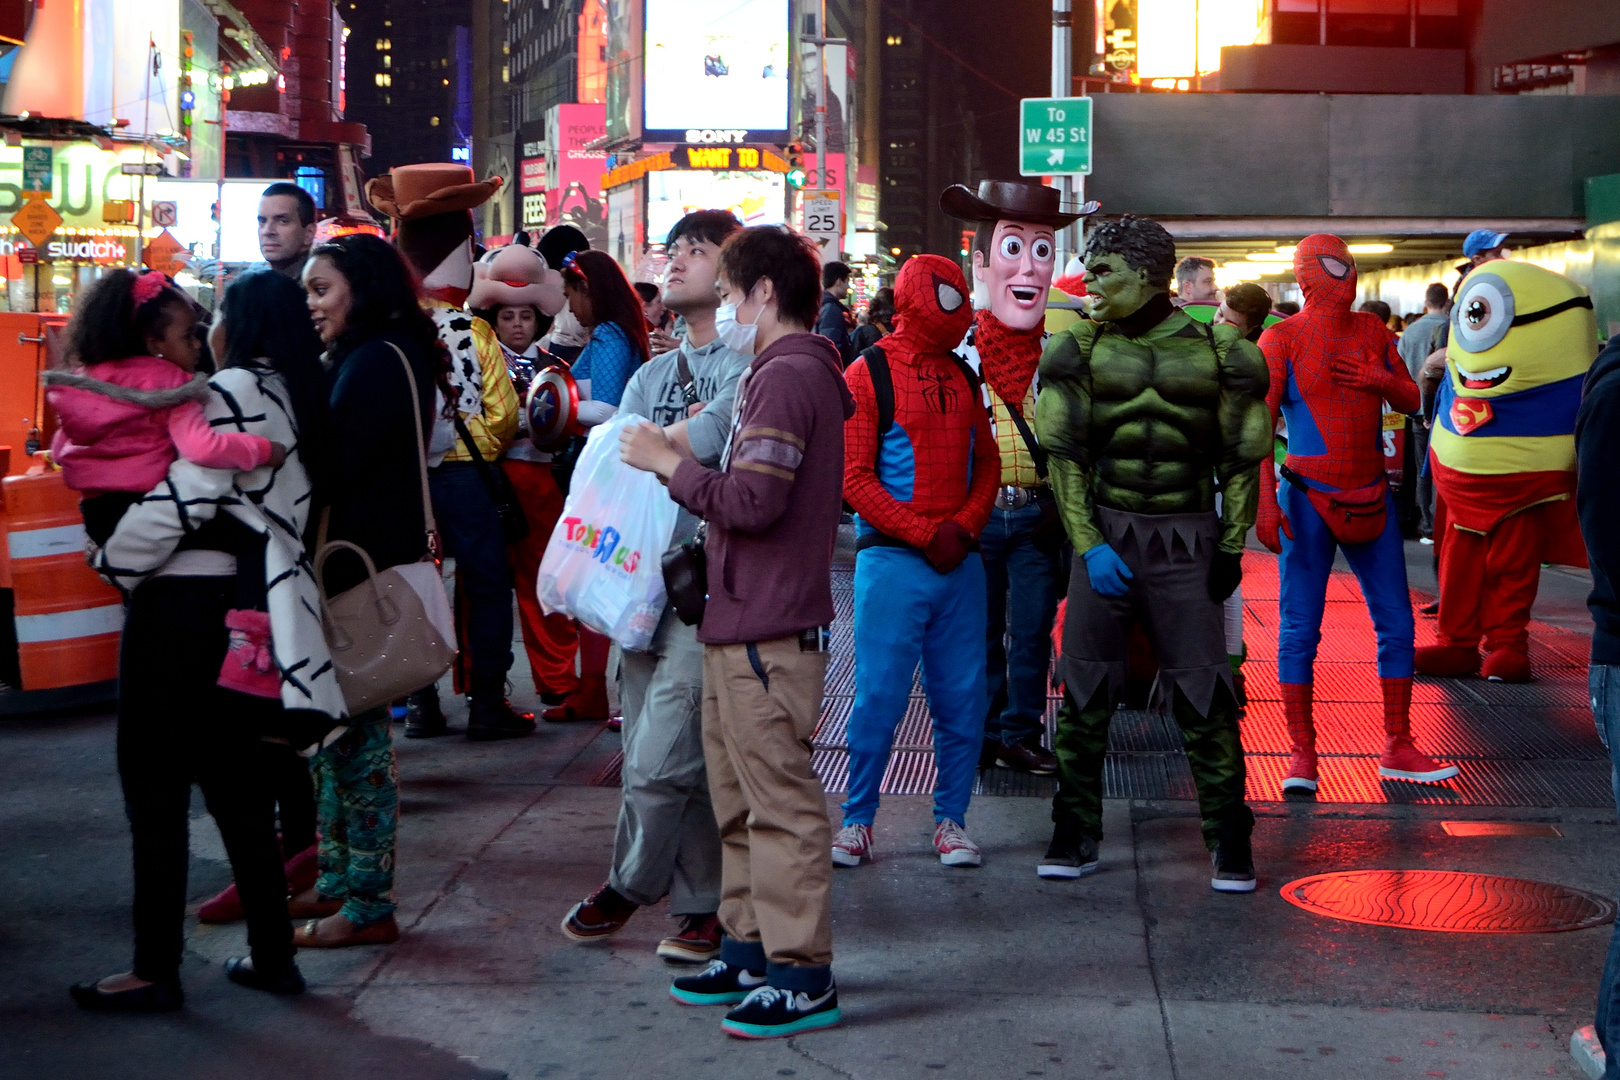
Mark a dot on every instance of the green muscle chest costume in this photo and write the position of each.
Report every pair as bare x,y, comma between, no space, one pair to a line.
1147,424
1140,433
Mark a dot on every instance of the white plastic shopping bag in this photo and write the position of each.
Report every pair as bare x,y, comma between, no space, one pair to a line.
603,565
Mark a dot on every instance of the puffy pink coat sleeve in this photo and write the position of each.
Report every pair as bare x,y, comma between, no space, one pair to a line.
197,441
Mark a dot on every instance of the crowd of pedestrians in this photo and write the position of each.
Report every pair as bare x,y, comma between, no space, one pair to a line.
372,392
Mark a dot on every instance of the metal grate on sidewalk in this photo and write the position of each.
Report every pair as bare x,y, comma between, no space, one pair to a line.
1528,745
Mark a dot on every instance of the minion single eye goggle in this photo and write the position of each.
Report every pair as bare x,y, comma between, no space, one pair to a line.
1485,312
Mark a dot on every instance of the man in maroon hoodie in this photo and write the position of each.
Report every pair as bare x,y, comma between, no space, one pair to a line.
772,513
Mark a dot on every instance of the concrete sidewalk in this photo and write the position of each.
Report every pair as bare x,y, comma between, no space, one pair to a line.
1138,971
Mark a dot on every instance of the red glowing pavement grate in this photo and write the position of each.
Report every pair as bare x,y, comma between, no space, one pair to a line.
1500,828
1448,901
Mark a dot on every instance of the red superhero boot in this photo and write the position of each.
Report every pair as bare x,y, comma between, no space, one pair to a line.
1401,760
1301,737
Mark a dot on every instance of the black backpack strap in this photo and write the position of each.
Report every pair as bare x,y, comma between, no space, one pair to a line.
877,365
683,370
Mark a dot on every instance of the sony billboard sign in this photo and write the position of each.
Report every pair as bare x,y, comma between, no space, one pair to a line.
716,72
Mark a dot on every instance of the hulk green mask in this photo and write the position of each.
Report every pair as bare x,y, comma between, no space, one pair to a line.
1113,289
1151,423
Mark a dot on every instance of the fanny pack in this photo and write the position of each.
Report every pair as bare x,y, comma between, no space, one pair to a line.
1354,516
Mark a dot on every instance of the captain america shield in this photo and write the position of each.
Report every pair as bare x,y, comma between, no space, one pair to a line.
553,408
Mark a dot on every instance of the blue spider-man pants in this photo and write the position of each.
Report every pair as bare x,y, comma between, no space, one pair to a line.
906,610
1307,559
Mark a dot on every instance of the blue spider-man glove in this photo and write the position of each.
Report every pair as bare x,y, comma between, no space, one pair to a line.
1107,571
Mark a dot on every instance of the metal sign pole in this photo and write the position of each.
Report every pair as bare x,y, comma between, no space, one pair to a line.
146,146
1062,87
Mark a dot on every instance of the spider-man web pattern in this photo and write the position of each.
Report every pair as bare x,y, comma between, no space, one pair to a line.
939,459
1331,370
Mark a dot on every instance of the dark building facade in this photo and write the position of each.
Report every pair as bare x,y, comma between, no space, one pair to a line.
410,79
951,74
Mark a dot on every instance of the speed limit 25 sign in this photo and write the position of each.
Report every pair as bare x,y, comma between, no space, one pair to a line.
823,220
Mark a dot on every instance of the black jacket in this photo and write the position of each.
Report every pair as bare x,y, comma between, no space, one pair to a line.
376,481
1597,448
833,326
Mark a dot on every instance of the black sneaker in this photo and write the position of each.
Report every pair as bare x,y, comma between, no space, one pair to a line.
1028,756
1232,863
773,1013
424,719
718,984
288,980
1072,854
493,717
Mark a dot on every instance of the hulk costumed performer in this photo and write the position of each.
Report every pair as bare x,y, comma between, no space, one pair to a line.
1141,411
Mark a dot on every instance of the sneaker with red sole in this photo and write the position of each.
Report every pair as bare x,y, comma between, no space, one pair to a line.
1403,761
599,915
697,943
954,847
852,844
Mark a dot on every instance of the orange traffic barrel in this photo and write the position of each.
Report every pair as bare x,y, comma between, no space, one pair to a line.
67,620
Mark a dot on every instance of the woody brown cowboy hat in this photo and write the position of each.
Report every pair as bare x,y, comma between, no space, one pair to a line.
1009,199
412,192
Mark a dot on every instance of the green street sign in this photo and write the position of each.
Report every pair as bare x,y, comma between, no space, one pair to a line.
1054,138
37,162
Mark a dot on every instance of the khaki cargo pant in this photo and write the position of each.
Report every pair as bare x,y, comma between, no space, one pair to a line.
761,703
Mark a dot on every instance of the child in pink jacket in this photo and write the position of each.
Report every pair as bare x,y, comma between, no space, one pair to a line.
133,402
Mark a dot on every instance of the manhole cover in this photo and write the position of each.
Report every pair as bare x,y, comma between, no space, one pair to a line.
1449,901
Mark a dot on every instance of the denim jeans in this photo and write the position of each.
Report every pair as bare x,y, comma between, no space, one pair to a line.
471,531
1604,681
1021,589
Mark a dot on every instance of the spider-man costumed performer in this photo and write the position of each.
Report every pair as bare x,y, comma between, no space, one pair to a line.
1331,371
922,489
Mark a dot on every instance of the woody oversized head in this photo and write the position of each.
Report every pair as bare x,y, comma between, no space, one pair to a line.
1014,245
432,205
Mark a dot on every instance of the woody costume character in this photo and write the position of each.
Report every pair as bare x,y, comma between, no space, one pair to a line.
1014,253
431,205
1331,371
1503,457
1142,412
920,470
517,276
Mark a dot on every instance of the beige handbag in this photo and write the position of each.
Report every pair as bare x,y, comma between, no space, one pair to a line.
393,634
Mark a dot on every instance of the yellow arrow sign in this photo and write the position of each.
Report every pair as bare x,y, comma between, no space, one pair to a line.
36,220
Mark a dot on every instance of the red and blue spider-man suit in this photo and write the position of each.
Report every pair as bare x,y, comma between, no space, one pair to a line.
922,492
1331,371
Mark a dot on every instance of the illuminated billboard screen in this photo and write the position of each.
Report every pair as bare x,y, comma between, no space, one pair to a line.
717,68
194,208
756,198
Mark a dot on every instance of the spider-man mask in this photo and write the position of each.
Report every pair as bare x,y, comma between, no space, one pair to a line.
932,313
1326,271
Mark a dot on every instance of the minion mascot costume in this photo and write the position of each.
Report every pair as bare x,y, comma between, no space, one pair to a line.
1503,455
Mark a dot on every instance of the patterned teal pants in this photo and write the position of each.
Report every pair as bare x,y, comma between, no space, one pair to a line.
357,803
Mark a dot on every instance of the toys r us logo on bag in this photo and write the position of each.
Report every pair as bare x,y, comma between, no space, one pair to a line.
602,543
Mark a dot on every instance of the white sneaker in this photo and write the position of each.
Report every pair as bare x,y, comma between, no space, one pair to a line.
852,844
953,845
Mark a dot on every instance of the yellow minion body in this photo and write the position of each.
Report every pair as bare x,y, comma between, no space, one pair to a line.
1515,328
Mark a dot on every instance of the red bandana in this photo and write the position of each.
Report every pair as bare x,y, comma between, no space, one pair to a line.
1007,357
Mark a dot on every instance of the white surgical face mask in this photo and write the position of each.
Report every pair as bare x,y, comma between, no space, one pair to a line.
733,334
